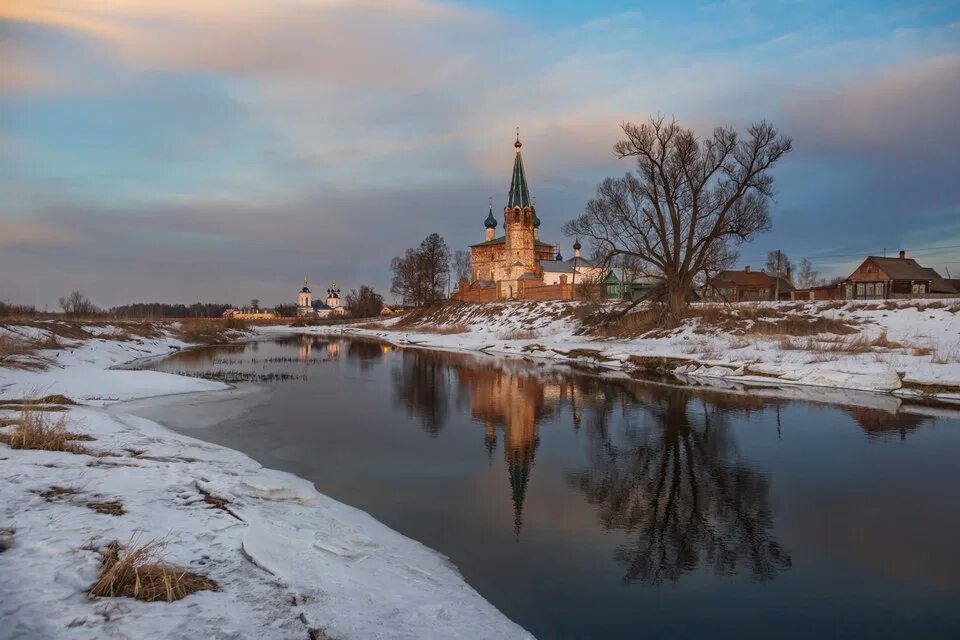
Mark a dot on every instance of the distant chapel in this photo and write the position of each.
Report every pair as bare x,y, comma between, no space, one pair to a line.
311,309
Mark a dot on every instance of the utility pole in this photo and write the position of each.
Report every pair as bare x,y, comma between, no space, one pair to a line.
776,289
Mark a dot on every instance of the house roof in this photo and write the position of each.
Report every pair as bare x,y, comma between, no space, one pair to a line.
751,279
941,285
903,268
556,266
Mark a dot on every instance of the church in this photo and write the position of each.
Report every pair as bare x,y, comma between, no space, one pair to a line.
518,264
311,309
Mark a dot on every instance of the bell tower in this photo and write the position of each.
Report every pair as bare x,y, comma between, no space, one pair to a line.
520,222
304,297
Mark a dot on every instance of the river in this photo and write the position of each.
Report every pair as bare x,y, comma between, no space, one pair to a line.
588,507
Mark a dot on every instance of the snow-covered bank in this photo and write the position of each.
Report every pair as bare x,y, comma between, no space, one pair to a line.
289,561
908,348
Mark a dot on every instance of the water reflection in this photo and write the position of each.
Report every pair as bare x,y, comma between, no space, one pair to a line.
658,465
420,384
550,489
509,403
670,477
672,481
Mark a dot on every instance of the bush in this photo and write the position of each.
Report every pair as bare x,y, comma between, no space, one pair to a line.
37,430
202,331
139,572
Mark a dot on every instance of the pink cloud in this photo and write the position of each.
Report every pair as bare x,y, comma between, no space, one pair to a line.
25,233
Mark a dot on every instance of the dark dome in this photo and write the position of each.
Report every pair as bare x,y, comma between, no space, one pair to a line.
536,221
576,245
558,257
490,222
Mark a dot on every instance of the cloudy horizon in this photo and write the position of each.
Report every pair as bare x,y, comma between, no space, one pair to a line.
220,151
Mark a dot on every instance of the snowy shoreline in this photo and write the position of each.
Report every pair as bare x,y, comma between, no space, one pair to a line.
290,561
910,349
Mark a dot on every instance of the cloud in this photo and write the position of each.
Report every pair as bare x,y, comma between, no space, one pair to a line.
222,146
27,233
344,42
906,110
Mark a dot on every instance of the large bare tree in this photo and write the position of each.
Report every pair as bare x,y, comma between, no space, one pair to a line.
689,204
421,275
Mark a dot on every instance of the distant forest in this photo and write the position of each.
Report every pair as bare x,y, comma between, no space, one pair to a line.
161,310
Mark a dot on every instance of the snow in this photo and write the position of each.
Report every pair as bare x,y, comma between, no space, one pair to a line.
287,558
927,332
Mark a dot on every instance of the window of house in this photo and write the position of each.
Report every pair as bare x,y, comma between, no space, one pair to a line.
880,289
869,288
919,287
859,288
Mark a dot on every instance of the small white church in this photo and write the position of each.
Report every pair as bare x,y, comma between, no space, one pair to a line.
310,309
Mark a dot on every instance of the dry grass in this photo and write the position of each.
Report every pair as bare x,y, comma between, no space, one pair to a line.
519,334
632,325
794,325
760,320
107,507
38,430
946,355
18,352
215,501
56,492
442,329
54,399
6,538
207,331
827,348
140,572
236,324
884,342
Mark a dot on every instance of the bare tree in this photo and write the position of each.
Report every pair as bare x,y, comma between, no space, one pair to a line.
364,303
420,277
778,264
690,203
255,303
77,304
806,275
461,265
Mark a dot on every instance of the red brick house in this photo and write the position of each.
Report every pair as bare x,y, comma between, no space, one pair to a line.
901,277
746,285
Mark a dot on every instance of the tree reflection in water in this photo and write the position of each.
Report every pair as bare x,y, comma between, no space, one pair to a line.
420,385
673,482
665,472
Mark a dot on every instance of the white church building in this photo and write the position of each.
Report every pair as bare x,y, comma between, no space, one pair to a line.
311,309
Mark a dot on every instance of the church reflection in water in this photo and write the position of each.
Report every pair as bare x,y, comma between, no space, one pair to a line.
661,467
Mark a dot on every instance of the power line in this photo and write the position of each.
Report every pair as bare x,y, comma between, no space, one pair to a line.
915,251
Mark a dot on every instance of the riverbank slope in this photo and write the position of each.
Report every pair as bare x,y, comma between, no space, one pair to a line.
288,562
910,348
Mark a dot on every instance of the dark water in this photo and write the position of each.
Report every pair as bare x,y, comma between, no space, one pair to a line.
589,508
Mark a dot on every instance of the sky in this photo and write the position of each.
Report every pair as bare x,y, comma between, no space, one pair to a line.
175,150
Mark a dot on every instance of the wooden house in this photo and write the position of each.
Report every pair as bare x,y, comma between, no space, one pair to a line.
901,277
746,285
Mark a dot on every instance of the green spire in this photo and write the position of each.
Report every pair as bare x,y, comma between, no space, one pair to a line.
519,193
